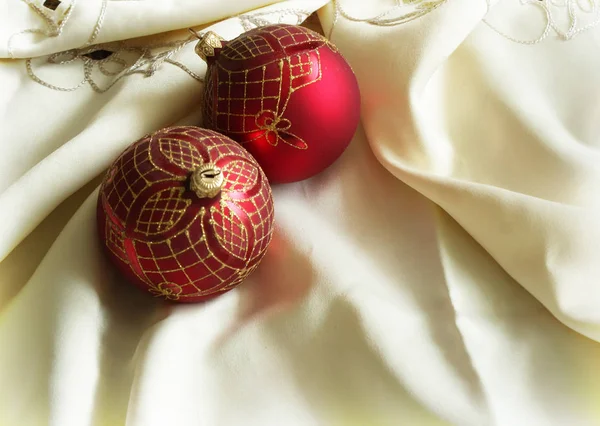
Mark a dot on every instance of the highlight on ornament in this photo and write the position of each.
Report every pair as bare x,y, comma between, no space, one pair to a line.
185,213
285,93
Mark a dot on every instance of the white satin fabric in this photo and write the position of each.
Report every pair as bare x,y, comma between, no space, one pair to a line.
444,271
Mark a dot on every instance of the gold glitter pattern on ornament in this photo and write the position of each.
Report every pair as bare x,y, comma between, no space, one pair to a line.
202,245
180,153
230,231
162,211
250,47
128,174
240,177
294,36
267,86
115,238
301,66
169,291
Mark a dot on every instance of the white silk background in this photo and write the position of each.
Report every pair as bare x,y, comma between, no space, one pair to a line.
444,271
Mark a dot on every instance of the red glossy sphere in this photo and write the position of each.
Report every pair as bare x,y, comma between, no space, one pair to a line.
287,95
163,236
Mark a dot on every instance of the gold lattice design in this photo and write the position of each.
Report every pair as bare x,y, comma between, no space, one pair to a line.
115,239
240,177
261,214
228,117
302,71
301,65
256,43
181,153
228,228
230,231
129,175
162,211
288,35
257,97
210,263
247,47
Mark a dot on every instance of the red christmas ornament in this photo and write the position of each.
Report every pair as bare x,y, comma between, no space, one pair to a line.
285,93
185,213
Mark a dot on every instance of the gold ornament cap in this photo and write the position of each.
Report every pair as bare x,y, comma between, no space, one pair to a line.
207,180
208,45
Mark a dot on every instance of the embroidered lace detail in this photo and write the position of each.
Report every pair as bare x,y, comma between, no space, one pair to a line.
109,62
404,11
250,21
112,62
106,64
565,18
56,18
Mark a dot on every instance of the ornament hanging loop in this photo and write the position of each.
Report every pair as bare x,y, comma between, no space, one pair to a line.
207,180
208,45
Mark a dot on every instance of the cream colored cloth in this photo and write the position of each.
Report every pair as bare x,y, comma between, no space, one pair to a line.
459,286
